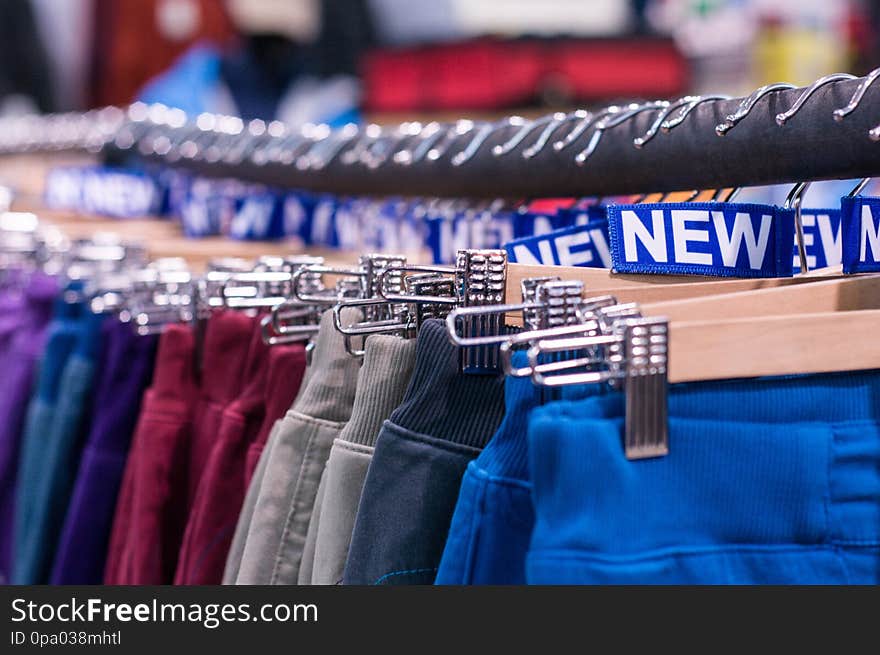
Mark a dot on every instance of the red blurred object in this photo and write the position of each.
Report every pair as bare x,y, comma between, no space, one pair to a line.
131,47
492,74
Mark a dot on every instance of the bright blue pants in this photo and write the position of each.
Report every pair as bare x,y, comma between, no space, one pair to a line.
770,481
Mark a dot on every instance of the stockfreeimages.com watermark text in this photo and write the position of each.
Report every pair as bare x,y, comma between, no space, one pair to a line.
209,615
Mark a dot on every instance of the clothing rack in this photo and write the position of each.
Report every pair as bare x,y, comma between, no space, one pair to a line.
811,145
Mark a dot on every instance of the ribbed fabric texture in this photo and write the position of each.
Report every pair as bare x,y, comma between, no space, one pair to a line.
382,382
276,533
770,481
421,455
331,379
443,402
489,535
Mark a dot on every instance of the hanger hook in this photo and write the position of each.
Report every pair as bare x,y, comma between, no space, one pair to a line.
852,105
641,141
406,156
404,132
586,121
731,120
783,117
671,123
793,201
521,134
432,133
333,147
544,138
857,189
360,143
457,129
483,133
613,121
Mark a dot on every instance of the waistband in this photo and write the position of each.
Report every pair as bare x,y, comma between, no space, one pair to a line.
444,402
782,461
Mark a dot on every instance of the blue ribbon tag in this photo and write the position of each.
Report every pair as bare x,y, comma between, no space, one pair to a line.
530,224
258,217
105,191
209,207
581,245
860,225
702,238
821,238
63,189
323,223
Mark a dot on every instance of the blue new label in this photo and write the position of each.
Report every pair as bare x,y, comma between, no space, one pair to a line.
860,224
582,245
717,239
821,238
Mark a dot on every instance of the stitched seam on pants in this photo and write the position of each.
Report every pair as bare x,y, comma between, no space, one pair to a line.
407,572
551,555
291,514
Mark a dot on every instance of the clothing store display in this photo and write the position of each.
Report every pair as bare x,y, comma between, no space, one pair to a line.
21,347
221,489
409,495
246,515
151,511
124,373
768,481
60,342
664,388
382,382
489,535
224,359
284,377
299,449
60,450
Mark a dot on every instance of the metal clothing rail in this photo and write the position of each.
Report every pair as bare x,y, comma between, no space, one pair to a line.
779,134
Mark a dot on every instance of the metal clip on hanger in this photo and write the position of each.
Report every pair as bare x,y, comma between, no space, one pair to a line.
369,275
159,298
408,317
483,283
478,278
632,358
592,316
547,301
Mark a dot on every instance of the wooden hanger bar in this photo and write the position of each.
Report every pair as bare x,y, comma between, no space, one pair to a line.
646,289
773,345
836,295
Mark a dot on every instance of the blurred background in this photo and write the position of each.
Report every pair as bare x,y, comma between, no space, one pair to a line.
339,61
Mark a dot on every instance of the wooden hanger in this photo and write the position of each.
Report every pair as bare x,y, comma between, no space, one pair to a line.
835,295
750,347
645,289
